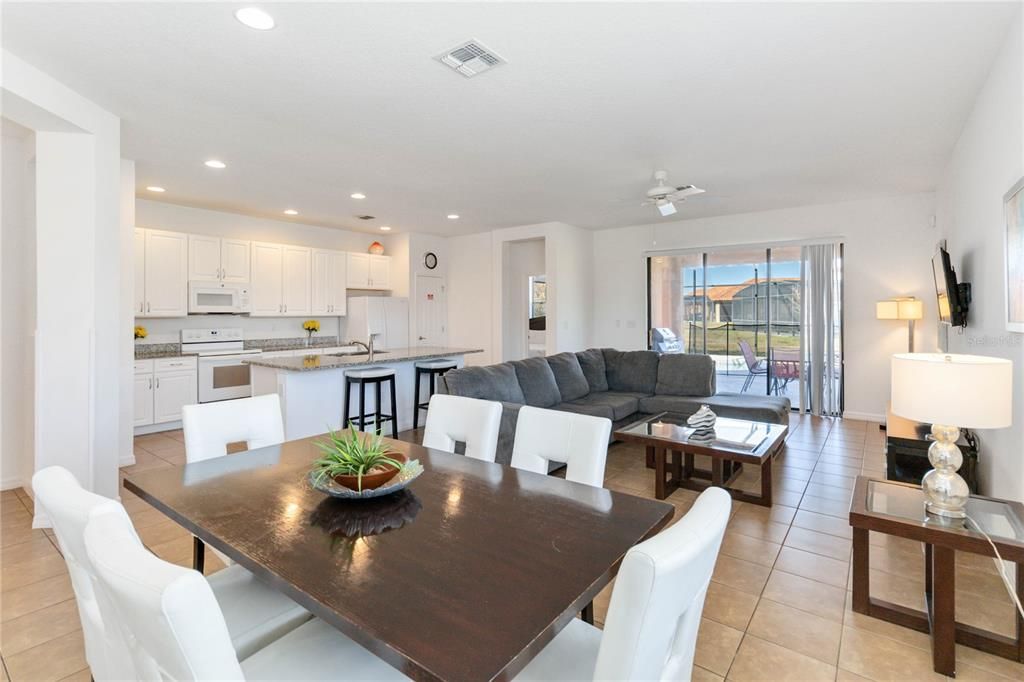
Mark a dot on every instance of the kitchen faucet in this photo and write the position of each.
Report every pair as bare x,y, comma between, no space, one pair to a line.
367,346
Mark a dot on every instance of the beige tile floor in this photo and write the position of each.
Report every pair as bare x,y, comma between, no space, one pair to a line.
778,607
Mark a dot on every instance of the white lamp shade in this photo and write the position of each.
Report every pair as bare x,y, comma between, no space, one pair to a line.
910,309
887,310
971,391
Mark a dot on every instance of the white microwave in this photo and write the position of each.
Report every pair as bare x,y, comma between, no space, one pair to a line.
218,297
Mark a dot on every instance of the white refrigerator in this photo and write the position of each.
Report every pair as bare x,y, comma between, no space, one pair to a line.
385,316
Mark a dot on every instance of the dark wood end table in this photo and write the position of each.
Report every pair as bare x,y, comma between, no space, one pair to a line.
898,509
736,442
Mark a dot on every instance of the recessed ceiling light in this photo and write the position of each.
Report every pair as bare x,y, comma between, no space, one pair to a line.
214,163
386,228
290,211
154,188
254,17
358,195
453,216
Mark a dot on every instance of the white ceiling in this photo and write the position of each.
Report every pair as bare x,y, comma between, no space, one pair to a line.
765,105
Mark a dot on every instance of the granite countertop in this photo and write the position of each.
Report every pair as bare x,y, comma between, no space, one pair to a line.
314,362
147,351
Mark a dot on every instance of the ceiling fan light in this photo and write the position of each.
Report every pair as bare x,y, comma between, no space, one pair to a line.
666,207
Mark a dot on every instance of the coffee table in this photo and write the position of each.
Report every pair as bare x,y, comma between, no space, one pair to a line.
736,442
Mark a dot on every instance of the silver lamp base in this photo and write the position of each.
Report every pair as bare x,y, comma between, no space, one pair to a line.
945,491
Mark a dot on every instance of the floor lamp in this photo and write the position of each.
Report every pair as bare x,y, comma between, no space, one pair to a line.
909,309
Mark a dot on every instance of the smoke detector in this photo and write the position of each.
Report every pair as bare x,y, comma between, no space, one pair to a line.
470,58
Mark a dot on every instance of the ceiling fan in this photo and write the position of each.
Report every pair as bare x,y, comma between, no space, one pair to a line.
665,196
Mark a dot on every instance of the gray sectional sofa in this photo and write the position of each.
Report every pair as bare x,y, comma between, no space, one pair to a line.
604,382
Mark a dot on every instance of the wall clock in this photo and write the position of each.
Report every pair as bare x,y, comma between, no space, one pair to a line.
430,260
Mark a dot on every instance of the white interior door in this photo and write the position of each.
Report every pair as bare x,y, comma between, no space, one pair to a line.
431,311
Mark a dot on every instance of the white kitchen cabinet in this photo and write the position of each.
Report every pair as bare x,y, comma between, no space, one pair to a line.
265,288
280,280
380,272
143,399
139,242
358,275
329,282
171,392
166,274
295,280
213,259
367,271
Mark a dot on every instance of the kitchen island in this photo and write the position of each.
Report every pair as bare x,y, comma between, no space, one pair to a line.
312,387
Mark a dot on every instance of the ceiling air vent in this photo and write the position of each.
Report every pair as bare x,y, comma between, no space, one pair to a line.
470,58
366,217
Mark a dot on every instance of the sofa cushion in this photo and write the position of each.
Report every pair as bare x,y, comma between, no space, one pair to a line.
622,404
572,383
635,371
592,364
760,408
591,409
685,374
537,382
494,382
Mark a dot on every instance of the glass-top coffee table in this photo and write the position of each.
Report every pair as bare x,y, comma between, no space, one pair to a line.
898,509
733,443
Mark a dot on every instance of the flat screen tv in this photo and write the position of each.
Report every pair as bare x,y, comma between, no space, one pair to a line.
953,298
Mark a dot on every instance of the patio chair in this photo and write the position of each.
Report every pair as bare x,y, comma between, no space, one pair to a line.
785,368
755,367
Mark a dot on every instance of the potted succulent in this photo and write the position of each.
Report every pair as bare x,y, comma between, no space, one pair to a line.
357,461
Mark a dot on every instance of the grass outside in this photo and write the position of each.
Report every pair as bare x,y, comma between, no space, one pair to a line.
722,341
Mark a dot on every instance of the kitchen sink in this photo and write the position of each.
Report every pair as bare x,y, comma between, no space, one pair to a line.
352,353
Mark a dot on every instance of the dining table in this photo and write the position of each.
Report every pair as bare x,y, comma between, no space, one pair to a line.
466,574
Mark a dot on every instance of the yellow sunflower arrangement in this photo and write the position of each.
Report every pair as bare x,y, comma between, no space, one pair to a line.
140,332
311,327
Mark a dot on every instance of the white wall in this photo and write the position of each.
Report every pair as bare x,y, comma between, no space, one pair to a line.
889,244
470,296
987,160
80,239
17,322
521,260
570,288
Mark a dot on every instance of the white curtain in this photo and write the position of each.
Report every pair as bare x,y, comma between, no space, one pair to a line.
821,298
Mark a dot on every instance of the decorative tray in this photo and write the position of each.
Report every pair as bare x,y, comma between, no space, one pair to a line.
409,473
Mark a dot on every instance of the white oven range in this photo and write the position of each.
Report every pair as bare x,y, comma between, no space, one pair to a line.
222,373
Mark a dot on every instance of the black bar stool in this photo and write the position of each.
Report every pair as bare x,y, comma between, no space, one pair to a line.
374,376
431,368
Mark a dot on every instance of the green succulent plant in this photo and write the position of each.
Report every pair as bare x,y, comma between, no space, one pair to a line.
349,453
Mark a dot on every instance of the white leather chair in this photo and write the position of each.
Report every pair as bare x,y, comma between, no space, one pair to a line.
209,427
453,419
650,632
256,615
578,440
178,631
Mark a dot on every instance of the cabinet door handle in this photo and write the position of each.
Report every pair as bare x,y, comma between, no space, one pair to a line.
151,383
147,307
158,382
286,307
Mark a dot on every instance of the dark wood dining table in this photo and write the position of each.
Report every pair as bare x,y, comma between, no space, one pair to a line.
478,567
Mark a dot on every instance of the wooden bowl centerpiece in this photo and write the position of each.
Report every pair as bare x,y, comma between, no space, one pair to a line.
358,461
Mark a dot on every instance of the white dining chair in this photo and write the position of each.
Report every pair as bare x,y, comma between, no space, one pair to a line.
210,427
256,615
650,632
453,419
178,630
577,440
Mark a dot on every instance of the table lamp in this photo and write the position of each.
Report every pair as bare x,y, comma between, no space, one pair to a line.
951,391
908,309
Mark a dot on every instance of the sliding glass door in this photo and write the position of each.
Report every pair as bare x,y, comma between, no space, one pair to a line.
741,306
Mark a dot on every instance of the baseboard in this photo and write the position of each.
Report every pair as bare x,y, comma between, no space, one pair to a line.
10,483
864,416
157,428
126,460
